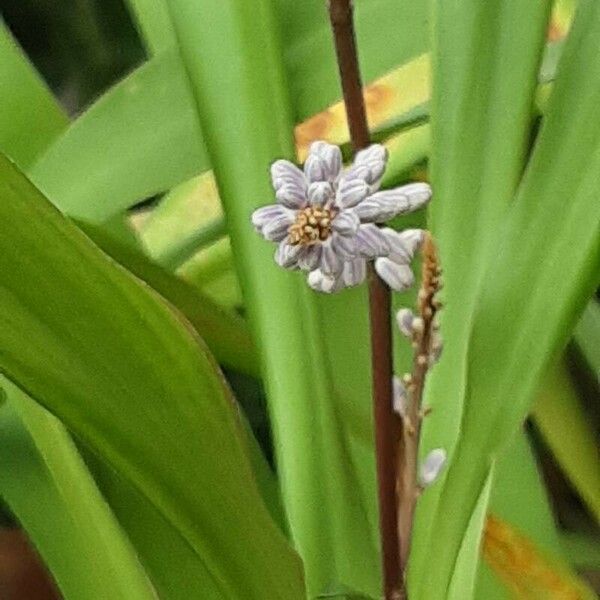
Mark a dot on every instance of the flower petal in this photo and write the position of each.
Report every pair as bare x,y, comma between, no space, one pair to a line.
374,153
398,277
371,242
373,159
320,282
383,206
354,272
351,191
269,220
345,246
291,196
287,255
320,193
276,228
310,259
331,262
403,244
324,162
345,223
283,172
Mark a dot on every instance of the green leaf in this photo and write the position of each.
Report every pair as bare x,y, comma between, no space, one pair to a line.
565,428
130,379
225,333
47,486
480,117
322,433
139,139
389,33
188,218
154,24
30,117
464,577
544,267
213,272
587,336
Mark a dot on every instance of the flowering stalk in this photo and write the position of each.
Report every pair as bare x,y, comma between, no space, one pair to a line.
422,329
386,421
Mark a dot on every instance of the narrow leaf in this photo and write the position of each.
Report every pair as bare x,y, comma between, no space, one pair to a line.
47,486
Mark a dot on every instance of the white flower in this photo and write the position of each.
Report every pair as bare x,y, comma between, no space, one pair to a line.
324,218
393,252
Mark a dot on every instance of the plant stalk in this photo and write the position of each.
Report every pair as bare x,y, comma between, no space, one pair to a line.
408,447
387,424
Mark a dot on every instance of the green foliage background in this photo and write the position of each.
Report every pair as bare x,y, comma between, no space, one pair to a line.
119,311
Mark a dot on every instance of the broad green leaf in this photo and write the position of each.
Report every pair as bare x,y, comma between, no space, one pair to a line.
481,112
325,467
545,265
225,333
562,422
171,562
131,380
137,140
47,486
30,117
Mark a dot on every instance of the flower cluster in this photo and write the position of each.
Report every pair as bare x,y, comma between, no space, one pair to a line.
325,219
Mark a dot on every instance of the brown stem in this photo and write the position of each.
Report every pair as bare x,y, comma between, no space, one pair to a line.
408,488
386,422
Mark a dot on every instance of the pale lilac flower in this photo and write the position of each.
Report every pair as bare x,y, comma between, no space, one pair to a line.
432,466
324,218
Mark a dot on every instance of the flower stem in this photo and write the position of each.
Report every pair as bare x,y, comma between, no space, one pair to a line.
408,449
386,422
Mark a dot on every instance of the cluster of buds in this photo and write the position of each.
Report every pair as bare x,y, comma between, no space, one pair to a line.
422,329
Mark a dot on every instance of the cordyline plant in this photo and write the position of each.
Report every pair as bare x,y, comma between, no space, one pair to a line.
401,471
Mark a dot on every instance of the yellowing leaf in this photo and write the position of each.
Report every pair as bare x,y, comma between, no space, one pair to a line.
528,573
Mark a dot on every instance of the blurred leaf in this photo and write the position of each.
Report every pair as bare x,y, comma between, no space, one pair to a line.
528,572
480,117
187,218
587,336
137,140
564,426
154,24
225,333
544,267
519,498
582,549
389,33
30,117
48,488
74,324
212,271
464,578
